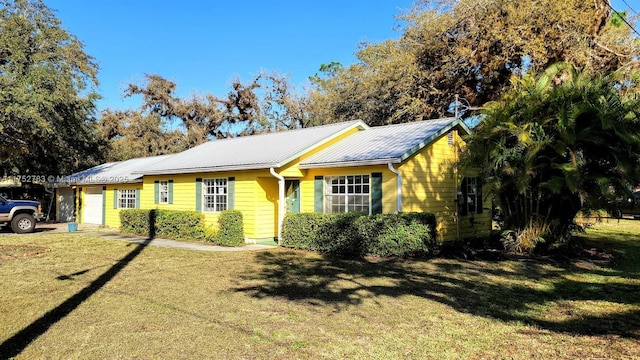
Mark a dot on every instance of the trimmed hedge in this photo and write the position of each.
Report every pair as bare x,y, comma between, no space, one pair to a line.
173,224
352,234
230,228
183,225
137,221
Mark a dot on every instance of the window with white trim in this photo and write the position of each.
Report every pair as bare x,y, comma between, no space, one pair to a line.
215,194
471,194
127,199
349,193
163,191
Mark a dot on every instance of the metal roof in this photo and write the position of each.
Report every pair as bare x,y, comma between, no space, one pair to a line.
113,172
383,144
250,152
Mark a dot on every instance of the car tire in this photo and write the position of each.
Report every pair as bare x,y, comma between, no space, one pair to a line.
23,223
616,213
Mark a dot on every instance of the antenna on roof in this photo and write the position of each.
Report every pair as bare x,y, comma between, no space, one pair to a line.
461,105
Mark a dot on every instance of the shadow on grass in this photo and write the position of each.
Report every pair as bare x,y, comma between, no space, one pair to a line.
18,342
558,298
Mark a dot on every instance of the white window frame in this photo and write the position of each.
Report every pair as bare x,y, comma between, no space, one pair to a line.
347,193
163,192
215,194
126,198
472,195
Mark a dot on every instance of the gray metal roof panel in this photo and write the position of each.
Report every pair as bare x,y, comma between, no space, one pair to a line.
382,144
114,172
250,152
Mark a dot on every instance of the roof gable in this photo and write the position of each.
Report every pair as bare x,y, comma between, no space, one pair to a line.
383,144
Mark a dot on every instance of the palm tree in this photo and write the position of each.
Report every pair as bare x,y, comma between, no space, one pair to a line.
555,144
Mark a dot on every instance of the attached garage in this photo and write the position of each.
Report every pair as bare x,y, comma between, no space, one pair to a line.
89,188
93,205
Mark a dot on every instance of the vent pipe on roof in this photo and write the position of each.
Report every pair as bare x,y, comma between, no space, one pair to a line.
398,185
280,201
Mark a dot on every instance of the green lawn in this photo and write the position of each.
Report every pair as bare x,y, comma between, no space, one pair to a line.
71,296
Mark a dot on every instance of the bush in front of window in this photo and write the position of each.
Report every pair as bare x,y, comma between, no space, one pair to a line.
326,233
230,229
179,224
353,234
183,225
137,221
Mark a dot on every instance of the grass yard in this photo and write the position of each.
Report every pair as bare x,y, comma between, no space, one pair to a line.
67,296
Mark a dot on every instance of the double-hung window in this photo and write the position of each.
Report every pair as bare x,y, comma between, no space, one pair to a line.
163,192
215,194
471,196
126,199
349,193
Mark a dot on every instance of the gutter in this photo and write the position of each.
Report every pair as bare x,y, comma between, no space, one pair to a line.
280,201
398,185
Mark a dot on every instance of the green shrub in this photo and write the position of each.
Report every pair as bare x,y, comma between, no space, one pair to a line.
230,229
183,225
137,221
399,238
176,224
353,234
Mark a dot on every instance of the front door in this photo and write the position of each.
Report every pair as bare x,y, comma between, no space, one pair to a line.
292,191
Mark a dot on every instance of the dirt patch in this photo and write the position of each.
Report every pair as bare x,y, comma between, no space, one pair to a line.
8,252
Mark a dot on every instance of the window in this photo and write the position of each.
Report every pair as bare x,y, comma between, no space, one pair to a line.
347,194
163,192
127,199
471,201
471,194
215,194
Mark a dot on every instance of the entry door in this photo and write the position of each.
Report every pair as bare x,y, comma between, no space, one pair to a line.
292,191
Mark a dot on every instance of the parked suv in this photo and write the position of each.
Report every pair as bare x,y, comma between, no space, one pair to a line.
630,206
20,214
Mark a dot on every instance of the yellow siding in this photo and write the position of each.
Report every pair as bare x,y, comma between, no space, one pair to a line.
256,196
430,182
112,216
292,170
389,198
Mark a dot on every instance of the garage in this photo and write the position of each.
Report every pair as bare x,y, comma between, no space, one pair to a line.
93,205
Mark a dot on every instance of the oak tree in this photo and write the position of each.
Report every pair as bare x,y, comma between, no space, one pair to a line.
472,48
47,94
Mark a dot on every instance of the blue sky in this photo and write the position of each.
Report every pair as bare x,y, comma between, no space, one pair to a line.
202,45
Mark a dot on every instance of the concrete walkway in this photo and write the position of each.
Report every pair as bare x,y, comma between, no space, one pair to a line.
95,230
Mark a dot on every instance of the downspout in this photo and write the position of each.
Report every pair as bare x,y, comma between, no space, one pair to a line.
398,185
280,201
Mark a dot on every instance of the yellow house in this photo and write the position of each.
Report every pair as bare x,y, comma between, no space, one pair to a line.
331,168
95,195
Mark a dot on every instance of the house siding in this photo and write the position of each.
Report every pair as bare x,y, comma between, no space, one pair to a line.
293,170
256,196
111,215
430,182
389,194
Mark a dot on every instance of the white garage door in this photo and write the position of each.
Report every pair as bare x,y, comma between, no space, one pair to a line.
93,206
